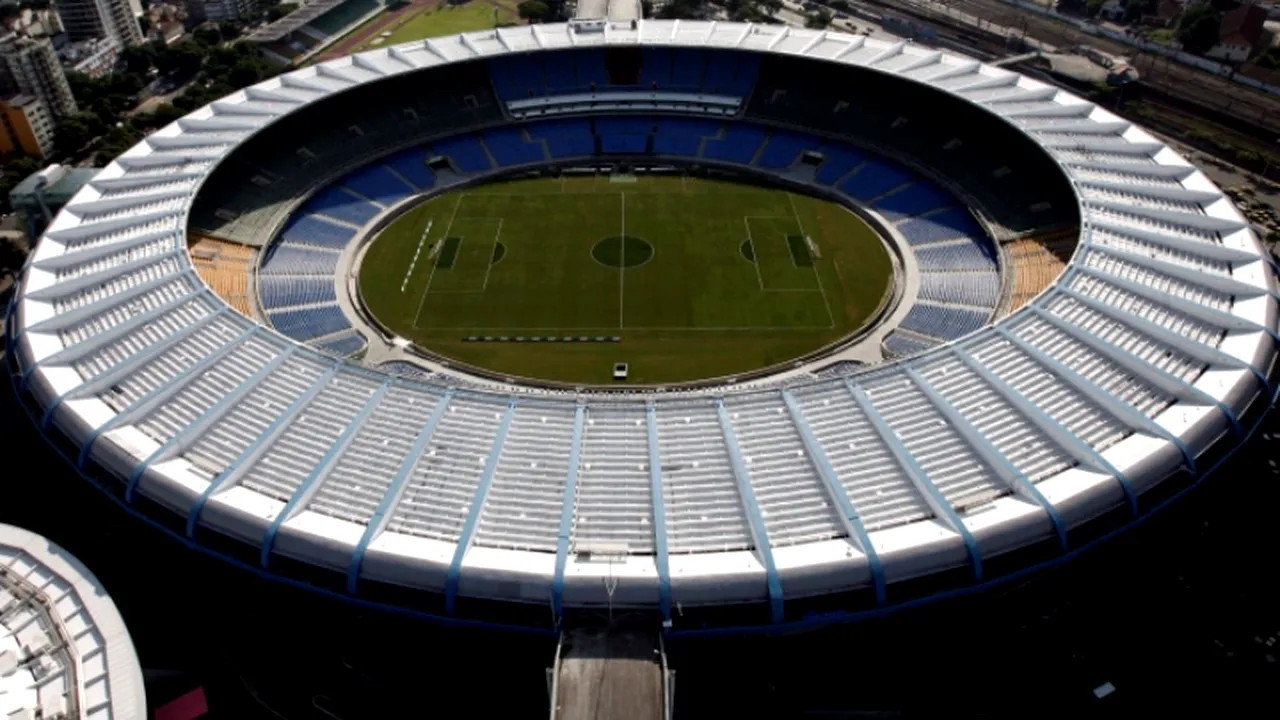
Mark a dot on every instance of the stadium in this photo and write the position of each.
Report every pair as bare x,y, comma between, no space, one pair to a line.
1054,324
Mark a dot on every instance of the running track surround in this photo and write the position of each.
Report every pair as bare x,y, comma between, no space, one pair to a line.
1158,336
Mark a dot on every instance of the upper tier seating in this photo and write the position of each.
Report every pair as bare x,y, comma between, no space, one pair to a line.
509,147
341,204
570,72
466,152
379,184
308,229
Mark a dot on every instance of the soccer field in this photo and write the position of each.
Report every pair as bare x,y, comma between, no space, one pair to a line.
697,278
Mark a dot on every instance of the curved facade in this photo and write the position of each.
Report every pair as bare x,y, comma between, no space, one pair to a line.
1142,356
64,649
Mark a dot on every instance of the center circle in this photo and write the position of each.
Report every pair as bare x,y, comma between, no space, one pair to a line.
622,251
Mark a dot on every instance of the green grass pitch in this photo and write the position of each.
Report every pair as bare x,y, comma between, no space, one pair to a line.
699,278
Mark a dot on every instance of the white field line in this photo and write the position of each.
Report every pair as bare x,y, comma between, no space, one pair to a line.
826,303
421,241
427,289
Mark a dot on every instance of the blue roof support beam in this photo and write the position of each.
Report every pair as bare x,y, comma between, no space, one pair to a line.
390,498
1167,383
566,511
126,366
991,455
1181,343
759,533
657,501
180,442
1078,449
1203,313
839,496
312,482
1112,405
157,396
932,496
467,534
241,464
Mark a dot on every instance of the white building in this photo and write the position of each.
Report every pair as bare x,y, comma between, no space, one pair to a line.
31,67
111,19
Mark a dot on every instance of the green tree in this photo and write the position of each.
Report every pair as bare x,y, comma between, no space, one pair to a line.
138,59
533,10
207,35
818,20
1198,28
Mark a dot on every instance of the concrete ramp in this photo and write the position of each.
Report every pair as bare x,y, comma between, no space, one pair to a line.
604,674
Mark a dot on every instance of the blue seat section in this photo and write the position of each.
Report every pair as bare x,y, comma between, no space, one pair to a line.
279,292
591,69
838,163
412,166
679,136
309,323
731,73
583,71
900,345
946,323
565,138
624,125
304,229
465,152
286,259
378,183
980,289
783,148
739,145
688,69
914,199
874,179
630,144
343,345
958,256
341,205
945,225
508,147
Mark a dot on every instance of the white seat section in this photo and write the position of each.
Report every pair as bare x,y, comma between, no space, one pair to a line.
164,326
159,269
90,240
299,449
881,493
1138,199
172,363
1122,268
1128,302
189,403
700,496
613,503
1079,415
1115,380
1017,439
116,314
1102,158
946,459
441,489
526,497
1132,341
219,446
1140,222
129,254
793,502
1106,238
359,479
1134,177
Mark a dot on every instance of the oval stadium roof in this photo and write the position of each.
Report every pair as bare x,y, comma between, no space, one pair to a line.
1143,354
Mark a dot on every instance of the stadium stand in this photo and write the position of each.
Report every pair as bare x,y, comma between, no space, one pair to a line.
182,406
900,344
337,20
280,291
306,228
655,69
997,165
378,183
250,194
466,152
338,203
1036,262
342,344
509,147
225,267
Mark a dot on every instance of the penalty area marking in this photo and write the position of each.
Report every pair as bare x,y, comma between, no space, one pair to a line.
416,253
816,275
746,219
